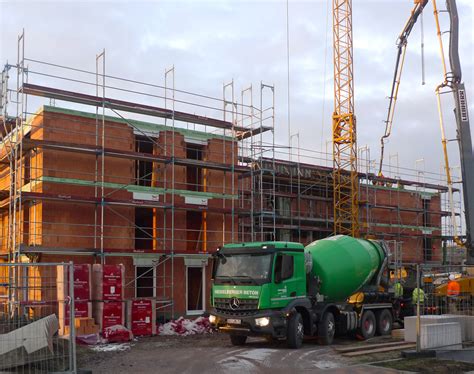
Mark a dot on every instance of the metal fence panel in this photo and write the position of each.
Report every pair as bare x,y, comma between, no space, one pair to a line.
444,311
36,306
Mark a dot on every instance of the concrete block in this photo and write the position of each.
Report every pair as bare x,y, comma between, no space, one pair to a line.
467,326
441,335
410,323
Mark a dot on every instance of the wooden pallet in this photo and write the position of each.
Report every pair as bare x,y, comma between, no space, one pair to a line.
399,333
379,350
361,347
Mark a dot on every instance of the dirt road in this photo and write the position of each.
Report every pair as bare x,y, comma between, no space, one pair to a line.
215,354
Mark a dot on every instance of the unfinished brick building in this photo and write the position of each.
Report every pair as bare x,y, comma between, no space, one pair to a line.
158,190
298,206
145,212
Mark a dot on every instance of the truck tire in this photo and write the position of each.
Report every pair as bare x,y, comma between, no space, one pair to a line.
295,331
367,325
326,329
238,339
384,322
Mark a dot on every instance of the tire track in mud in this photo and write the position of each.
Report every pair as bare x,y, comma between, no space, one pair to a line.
255,359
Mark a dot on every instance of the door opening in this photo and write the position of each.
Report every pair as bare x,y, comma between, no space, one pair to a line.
195,289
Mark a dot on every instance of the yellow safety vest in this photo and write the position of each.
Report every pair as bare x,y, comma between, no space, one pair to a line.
398,289
418,294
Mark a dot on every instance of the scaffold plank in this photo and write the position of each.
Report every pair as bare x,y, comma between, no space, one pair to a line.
29,196
82,148
97,101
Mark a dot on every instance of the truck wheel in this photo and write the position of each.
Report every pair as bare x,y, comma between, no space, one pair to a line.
295,331
326,329
384,322
367,325
238,339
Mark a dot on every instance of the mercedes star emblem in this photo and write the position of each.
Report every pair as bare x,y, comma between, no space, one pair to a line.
234,303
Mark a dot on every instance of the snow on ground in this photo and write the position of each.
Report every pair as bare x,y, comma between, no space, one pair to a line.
258,354
326,364
111,347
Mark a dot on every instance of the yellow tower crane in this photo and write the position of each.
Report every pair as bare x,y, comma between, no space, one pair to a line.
344,134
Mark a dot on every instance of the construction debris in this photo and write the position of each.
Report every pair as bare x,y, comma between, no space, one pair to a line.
30,343
185,327
117,334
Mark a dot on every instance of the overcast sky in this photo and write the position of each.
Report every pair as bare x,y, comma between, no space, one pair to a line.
212,42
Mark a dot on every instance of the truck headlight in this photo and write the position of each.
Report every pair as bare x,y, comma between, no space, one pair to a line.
212,319
262,322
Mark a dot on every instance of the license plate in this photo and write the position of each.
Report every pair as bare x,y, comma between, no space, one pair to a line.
234,321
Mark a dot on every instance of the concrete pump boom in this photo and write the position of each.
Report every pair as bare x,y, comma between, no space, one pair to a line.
452,80
401,50
461,113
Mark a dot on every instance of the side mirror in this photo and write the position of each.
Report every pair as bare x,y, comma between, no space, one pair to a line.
220,257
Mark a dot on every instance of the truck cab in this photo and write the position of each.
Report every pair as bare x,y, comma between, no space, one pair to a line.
255,287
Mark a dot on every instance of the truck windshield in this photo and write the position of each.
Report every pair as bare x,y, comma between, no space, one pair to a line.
245,266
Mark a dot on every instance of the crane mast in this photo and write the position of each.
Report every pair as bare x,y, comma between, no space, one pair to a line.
344,134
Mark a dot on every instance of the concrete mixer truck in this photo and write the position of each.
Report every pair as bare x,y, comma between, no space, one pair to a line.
283,290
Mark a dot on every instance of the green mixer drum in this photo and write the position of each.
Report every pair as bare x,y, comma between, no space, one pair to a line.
344,264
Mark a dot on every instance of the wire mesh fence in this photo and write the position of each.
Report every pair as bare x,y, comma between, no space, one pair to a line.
443,308
37,304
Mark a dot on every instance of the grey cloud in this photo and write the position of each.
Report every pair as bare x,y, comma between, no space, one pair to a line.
212,42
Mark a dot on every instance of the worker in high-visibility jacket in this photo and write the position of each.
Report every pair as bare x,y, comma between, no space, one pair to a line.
398,300
452,292
398,289
418,294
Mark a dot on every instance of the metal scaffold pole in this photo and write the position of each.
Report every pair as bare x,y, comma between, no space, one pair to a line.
102,156
248,117
173,167
226,103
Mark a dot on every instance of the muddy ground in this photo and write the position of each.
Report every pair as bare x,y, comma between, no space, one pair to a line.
213,353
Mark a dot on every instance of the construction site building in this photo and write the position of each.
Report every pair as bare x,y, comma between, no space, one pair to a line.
161,195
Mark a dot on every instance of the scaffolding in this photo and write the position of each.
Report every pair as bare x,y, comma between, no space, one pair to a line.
156,186
406,207
258,192
159,178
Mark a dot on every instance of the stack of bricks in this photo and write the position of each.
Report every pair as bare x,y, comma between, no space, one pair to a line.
108,295
84,326
141,316
82,294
